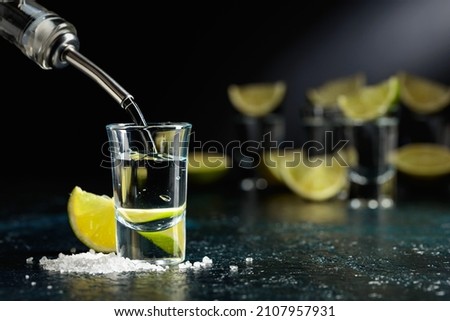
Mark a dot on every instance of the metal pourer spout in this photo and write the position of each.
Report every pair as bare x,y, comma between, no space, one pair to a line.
76,59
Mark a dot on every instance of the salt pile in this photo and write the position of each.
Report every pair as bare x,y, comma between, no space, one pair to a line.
96,263
100,263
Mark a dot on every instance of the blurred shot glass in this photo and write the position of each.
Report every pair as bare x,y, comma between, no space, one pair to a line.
372,175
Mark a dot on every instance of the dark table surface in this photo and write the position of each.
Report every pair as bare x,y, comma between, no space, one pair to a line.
301,251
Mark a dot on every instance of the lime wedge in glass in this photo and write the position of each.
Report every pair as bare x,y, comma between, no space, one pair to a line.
370,102
421,95
257,99
169,240
326,95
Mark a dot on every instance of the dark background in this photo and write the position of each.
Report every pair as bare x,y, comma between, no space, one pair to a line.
178,59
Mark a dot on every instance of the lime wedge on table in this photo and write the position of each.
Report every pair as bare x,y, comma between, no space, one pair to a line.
257,99
422,95
92,219
317,180
423,159
370,102
327,94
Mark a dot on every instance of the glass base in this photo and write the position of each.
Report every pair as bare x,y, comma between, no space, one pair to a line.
376,193
165,247
253,183
382,202
162,262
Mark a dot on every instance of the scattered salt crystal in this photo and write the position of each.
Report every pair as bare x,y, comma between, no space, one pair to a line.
249,260
206,260
29,260
27,276
33,283
234,268
185,265
49,287
96,263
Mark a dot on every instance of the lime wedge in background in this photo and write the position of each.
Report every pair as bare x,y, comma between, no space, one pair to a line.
204,167
257,99
370,102
421,95
327,94
270,166
317,180
277,159
423,159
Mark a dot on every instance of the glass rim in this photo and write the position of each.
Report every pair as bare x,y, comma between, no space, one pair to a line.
379,121
165,124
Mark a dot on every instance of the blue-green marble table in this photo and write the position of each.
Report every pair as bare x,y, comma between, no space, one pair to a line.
300,251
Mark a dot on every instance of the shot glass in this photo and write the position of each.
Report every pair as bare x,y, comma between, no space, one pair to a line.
417,129
323,136
256,135
372,175
149,179
324,145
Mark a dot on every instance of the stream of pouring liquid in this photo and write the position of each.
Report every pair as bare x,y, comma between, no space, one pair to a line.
135,112
138,118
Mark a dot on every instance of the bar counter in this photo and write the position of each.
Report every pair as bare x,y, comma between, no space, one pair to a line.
284,248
